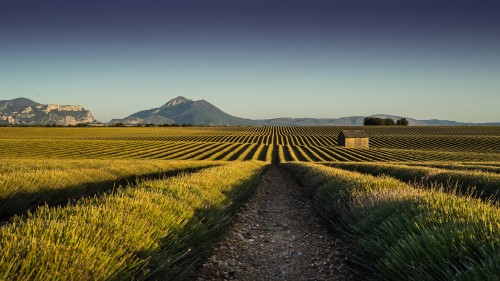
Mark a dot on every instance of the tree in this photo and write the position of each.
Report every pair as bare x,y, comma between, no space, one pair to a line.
374,121
402,122
371,121
388,122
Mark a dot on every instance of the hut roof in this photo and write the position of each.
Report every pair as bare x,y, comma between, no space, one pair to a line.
354,134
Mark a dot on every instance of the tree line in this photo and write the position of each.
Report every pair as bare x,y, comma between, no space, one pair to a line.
375,121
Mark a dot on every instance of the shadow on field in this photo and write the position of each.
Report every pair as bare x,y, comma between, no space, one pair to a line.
186,247
21,203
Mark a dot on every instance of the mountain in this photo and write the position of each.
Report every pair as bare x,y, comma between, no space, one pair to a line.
185,111
358,121
344,121
22,111
181,110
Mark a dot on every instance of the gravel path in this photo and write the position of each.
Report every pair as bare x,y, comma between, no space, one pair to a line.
276,236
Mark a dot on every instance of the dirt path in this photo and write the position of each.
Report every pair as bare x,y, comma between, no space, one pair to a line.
276,236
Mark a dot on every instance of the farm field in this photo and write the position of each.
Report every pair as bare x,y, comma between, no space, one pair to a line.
153,202
474,181
406,232
308,144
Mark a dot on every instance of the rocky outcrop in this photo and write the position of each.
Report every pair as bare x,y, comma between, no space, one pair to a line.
24,111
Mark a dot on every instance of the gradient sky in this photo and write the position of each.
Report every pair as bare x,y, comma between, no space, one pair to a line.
257,59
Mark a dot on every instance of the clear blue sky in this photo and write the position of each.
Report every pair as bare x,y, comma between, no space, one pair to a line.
257,59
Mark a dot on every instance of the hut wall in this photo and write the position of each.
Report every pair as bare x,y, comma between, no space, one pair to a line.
357,143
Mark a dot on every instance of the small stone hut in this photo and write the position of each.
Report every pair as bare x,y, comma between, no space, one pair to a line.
353,139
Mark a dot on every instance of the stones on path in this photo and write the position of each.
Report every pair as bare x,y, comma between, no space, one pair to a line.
276,236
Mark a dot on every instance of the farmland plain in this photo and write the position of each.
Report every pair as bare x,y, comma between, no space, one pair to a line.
308,144
151,202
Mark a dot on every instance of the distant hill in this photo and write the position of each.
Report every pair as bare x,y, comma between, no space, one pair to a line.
185,111
181,110
434,122
23,111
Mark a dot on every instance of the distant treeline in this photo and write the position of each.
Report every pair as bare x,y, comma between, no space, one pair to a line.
374,121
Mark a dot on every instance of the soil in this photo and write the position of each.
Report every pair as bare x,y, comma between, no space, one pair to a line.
277,235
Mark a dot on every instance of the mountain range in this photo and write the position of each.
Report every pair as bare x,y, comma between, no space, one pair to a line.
180,110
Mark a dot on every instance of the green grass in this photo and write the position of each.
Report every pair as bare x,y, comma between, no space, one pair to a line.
484,184
159,228
399,232
492,167
26,184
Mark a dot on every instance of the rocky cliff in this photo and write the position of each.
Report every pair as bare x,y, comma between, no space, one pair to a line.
24,111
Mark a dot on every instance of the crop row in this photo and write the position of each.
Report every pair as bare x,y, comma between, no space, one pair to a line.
484,184
491,167
327,154
74,133
26,184
126,133
251,143
159,228
99,149
265,139
390,130
400,232
443,143
108,149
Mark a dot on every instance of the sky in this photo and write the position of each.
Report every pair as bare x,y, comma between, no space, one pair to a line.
422,59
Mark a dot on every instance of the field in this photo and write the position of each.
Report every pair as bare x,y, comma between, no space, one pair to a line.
308,144
151,202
